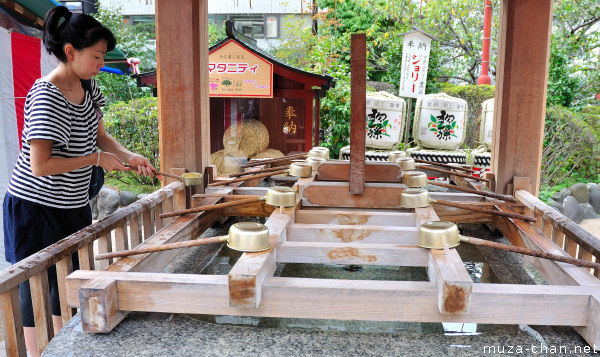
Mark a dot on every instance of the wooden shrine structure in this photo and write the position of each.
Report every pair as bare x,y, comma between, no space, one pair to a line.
346,213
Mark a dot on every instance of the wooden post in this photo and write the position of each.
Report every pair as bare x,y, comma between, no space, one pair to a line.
358,112
407,121
99,305
182,77
523,55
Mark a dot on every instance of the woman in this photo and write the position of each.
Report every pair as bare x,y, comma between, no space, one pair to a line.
47,197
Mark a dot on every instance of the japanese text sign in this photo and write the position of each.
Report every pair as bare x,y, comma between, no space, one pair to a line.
415,62
234,71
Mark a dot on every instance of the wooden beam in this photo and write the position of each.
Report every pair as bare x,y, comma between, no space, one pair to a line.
251,270
337,194
346,299
99,305
591,331
447,271
182,77
358,111
352,218
374,172
361,254
348,234
521,85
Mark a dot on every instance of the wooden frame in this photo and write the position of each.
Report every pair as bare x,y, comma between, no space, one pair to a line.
354,232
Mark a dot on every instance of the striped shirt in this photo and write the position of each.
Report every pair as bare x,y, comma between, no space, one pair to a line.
73,130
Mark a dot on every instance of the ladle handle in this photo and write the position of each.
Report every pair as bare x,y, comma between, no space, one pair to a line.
246,178
211,207
534,253
156,172
270,169
477,192
443,165
158,248
271,161
483,210
453,173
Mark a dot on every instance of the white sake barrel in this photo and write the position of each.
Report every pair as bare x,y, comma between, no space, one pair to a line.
440,121
487,123
385,120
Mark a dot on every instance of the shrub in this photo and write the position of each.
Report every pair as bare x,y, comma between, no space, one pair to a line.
135,125
570,148
474,95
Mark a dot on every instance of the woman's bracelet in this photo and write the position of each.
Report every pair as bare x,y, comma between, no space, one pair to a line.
98,161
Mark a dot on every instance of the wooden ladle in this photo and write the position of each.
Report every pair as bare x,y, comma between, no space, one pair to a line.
438,235
419,197
279,196
243,236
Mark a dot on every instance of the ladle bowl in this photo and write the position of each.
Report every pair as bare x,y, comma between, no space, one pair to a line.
319,151
396,154
248,237
414,178
281,196
406,163
414,198
192,178
300,169
315,162
436,235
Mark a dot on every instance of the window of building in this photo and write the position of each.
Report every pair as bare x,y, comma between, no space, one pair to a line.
250,25
73,6
272,26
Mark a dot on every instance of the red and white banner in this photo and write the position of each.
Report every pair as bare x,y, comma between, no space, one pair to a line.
23,59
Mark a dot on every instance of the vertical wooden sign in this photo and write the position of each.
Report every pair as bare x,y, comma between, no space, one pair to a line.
358,112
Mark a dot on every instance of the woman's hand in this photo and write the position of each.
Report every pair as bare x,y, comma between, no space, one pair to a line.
144,167
110,162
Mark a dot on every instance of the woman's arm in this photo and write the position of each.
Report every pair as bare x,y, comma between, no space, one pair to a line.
44,164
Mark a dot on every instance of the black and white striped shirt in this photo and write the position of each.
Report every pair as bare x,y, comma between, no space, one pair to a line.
73,129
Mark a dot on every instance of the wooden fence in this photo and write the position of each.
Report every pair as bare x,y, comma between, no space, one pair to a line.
125,228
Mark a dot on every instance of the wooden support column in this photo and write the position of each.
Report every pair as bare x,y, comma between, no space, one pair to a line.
358,112
99,305
182,77
453,283
521,86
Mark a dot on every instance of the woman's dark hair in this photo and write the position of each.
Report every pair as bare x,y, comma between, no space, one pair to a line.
80,30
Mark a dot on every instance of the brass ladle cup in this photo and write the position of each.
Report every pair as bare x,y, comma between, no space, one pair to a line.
441,235
243,236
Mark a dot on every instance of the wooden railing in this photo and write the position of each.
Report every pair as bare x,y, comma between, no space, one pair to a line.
568,235
127,227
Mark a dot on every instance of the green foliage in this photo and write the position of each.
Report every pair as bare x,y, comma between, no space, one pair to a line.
122,183
575,33
135,125
474,95
562,85
571,148
215,34
133,43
